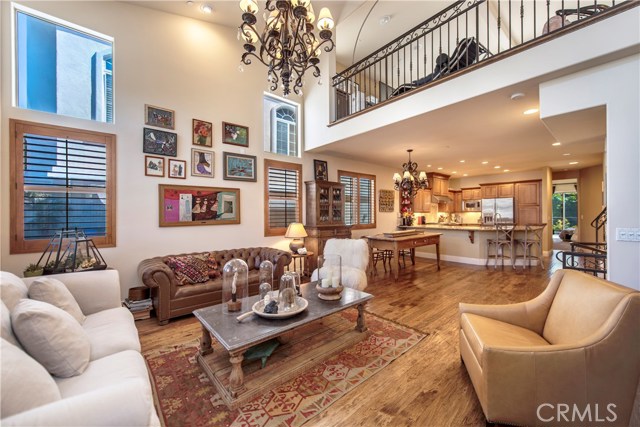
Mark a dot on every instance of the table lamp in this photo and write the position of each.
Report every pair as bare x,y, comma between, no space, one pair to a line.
296,232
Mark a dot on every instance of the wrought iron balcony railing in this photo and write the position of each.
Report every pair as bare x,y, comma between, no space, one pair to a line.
464,34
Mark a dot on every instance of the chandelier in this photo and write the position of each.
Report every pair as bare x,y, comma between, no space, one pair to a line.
287,45
410,181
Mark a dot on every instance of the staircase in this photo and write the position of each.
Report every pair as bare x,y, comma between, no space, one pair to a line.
590,257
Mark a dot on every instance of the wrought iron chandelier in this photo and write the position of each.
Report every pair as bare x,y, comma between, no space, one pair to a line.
287,45
410,181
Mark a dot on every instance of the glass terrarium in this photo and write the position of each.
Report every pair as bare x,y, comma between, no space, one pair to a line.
235,286
266,278
287,293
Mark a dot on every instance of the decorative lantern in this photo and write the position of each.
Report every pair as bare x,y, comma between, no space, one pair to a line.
235,286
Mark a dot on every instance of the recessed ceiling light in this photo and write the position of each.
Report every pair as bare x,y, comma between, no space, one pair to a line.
465,174
517,96
506,170
428,166
439,169
206,8
461,161
566,154
496,167
573,163
555,144
189,3
484,163
530,111
454,172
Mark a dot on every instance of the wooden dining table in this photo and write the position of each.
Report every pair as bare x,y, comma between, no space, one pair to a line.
396,243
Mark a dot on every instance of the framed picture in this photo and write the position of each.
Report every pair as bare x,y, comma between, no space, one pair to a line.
177,169
153,166
321,170
181,205
202,163
159,117
238,167
386,200
202,133
235,134
160,142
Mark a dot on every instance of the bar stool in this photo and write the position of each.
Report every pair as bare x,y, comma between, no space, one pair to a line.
532,244
503,240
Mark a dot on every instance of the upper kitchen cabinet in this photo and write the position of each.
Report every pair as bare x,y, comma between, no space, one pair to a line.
422,201
527,202
492,191
456,195
439,184
471,194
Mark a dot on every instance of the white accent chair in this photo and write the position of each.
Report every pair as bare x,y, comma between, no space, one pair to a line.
355,259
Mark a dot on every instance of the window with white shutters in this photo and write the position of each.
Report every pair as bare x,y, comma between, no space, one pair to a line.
283,193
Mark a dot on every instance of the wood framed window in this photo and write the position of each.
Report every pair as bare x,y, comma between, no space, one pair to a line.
360,199
283,196
61,178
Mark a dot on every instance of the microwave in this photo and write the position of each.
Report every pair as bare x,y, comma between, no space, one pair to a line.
471,205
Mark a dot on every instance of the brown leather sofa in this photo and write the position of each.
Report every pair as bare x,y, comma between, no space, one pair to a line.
569,357
171,299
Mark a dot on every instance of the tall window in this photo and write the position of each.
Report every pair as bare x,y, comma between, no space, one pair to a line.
360,199
64,178
565,210
283,196
62,68
281,124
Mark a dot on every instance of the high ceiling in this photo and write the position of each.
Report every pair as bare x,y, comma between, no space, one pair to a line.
501,135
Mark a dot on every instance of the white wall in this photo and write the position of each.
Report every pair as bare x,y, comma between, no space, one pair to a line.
185,65
616,86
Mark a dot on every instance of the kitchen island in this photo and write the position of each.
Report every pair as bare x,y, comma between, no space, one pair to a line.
464,243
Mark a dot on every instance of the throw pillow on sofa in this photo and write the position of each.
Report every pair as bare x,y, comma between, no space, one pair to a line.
52,337
25,384
12,289
7,331
213,266
188,269
56,293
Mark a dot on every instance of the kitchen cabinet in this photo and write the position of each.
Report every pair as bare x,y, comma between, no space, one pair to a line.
325,203
528,202
489,191
422,201
439,184
505,190
457,201
471,194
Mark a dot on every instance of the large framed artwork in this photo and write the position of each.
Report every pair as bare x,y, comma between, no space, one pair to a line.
156,141
182,205
238,167
159,117
235,134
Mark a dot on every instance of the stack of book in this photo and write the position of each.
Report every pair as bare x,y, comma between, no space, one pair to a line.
141,309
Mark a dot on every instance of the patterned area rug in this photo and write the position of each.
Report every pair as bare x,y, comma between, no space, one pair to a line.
185,395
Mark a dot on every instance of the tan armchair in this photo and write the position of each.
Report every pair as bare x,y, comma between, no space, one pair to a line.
570,356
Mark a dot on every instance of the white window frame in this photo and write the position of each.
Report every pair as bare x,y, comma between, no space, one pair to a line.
270,126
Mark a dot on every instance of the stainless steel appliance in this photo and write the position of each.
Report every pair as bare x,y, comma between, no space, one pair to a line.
497,210
471,205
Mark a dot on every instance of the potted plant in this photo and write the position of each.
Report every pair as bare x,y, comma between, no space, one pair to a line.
33,270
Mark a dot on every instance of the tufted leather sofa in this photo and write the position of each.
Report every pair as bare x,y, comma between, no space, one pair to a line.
569,357
170,299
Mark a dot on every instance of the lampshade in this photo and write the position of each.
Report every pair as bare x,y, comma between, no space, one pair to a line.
295,231
325,20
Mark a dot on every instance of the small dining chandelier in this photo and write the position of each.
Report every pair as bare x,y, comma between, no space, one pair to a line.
410,181
287,45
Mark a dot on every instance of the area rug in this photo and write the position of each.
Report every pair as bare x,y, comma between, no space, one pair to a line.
186,397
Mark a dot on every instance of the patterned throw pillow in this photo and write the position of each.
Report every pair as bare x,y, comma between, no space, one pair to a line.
213,267
188,269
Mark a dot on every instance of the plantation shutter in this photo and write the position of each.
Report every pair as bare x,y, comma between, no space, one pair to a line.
360,204
65,186
284,188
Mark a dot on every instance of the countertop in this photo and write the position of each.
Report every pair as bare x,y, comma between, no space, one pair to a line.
465,227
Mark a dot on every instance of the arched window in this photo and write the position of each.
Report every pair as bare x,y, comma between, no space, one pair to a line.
282,121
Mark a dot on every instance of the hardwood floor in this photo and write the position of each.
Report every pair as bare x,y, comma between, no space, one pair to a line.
428,385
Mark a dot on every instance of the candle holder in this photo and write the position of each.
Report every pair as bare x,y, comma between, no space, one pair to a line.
235,286
329,283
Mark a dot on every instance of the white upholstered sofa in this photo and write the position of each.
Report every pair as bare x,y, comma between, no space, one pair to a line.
100,376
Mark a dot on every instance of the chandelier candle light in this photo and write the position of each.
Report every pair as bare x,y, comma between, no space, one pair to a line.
288,46
410,181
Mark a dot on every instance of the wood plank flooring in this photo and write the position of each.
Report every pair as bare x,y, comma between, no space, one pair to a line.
428,385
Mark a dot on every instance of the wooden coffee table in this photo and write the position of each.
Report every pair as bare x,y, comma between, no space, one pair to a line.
306,339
